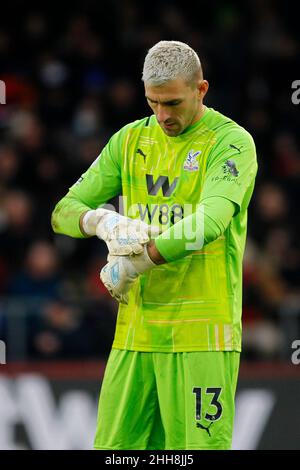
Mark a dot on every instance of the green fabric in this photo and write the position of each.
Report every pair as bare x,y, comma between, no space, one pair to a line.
150,401
195,302
206,224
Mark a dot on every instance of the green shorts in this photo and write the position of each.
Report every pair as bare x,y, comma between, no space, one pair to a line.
167,400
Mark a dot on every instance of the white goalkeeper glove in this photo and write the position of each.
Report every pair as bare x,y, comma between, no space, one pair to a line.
123,236
120,273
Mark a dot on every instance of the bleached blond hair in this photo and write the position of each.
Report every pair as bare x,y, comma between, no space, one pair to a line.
168,60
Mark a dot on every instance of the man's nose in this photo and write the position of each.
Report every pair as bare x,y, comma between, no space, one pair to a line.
162,114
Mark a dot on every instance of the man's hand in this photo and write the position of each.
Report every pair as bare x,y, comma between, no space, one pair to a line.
123,236
120,273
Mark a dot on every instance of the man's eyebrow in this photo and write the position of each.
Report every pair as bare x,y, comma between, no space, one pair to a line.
168,102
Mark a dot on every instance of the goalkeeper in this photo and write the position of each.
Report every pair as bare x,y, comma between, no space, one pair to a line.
186,174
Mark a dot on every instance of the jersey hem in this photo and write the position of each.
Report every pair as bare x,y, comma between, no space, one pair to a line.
179,349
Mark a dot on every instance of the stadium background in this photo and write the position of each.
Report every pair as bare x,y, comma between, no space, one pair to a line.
73,78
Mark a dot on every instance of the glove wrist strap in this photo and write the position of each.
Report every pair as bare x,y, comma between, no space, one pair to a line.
142,262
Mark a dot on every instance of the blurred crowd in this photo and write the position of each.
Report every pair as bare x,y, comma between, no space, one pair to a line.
73,78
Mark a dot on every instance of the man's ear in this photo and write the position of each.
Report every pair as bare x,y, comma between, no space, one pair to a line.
203,86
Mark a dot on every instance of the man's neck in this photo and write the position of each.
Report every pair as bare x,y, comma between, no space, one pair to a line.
199,114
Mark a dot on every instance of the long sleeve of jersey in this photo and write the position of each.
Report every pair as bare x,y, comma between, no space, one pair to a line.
198,229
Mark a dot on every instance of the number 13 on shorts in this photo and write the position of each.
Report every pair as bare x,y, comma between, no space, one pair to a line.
215,393
208,410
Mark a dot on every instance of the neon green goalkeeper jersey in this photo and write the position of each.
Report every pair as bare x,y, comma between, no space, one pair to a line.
194,303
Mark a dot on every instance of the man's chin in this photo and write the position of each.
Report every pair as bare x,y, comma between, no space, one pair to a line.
171,132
